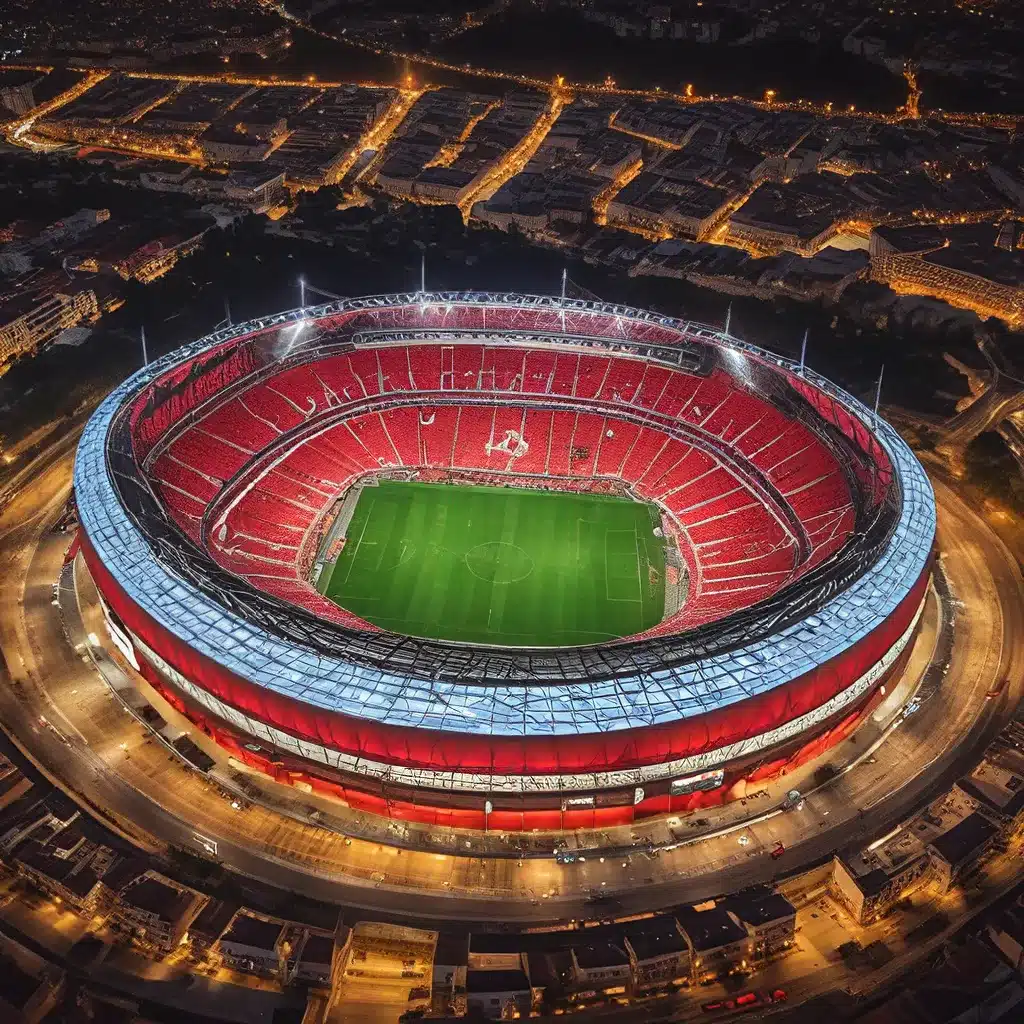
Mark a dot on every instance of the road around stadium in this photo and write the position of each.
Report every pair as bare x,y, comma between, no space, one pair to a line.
101,755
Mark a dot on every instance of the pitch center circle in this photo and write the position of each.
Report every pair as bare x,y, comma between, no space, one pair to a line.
498,561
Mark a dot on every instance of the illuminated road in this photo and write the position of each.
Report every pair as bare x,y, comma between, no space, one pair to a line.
154,798
910,110
515,159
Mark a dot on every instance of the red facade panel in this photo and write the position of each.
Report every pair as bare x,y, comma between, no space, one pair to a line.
434,749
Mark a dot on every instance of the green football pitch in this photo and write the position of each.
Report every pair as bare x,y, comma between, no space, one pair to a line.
494,565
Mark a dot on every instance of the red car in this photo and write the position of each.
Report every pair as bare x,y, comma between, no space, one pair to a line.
747,1001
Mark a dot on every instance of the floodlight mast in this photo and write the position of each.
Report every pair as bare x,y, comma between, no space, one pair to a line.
803,353
145,355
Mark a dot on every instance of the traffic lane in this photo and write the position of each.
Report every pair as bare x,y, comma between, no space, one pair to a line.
959,526
741,867
24,488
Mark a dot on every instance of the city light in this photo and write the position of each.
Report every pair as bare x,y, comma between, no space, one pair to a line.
305,608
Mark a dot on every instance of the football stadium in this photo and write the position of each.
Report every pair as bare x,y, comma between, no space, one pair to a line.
504,561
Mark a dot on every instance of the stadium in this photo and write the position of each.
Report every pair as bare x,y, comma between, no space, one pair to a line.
503,561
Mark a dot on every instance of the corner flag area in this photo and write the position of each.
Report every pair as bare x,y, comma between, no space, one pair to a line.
501,566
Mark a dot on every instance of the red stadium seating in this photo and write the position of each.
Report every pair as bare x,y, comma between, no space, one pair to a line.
735,534
536,427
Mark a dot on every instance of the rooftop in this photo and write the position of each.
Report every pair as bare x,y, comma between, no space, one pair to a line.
272,103
996,787
760,909
123,873
72,873
601,954
872,882
451,950
155,897
213,919
251,931
445,176
654,937
804,207
710,929
989,263
497,981
113,99
963,840
319,949
904,845
198,103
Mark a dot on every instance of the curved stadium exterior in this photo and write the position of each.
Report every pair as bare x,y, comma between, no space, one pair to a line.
208,483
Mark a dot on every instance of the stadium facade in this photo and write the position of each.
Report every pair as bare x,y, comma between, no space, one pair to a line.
801,530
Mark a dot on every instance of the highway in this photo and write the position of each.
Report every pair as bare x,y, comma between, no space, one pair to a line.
99,752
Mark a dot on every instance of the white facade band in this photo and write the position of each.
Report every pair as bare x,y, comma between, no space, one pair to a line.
118,636
424,778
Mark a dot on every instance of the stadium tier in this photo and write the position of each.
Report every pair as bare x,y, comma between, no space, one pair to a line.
782,573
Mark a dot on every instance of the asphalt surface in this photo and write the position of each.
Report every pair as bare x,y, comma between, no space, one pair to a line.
155,801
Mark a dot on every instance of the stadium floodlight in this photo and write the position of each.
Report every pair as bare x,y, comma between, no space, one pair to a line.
145,356
422,246
302,292
297,329
737,361
803,352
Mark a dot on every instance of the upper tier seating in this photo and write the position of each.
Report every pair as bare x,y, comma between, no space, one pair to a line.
735,513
